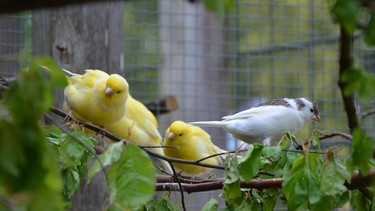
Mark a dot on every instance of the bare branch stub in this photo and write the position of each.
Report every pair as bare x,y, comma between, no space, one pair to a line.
163,105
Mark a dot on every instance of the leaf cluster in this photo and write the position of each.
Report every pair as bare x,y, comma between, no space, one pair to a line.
28,172
311,180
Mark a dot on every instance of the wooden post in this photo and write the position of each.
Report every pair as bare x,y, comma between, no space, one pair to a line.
81,37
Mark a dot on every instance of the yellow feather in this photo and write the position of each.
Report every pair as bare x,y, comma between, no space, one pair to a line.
191,143
138,125
97,97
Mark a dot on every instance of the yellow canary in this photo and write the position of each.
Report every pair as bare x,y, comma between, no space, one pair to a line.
96,97
191,143
138,125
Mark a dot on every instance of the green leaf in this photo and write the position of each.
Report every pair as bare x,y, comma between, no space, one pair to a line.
341,200
56,74
370,31
313,187
71,180
249,163
347,13
28,165
211,205
163,203
231,190
301,184
333,176
361,153
132,179
295,185
359,201
271,152
53,134
112,154
359,81
268,200
373,204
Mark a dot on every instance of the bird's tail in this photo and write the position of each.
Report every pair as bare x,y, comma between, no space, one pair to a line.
208,123
69,72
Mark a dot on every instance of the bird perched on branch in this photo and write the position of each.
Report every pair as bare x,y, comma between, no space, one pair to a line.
96,97
139,126
190,142
268,120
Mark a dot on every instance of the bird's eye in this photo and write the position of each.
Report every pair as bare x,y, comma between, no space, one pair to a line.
118,92
180,134
312,110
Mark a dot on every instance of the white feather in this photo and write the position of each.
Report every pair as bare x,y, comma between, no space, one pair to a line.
266,122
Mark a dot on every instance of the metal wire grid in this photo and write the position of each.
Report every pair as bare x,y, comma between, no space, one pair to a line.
15,42
272,49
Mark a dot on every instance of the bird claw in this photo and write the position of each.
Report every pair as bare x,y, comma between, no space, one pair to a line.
101,132
69,118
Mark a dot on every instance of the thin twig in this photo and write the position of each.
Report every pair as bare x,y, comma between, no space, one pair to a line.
366,114
177,160
179,184
303,151
334,134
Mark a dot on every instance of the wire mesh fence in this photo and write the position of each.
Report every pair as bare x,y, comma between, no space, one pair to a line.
15,42
263,50
220,65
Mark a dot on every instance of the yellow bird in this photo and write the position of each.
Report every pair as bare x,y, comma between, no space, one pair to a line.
96,97
139,126
191,143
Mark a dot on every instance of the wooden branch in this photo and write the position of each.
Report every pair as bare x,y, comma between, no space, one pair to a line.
357,182
7,6
162,106
346,62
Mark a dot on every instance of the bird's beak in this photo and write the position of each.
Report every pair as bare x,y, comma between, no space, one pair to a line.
108,91
316,118
171,136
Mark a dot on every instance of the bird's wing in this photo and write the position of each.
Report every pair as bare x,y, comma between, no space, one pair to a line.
206,147
88,80
138,112
255,111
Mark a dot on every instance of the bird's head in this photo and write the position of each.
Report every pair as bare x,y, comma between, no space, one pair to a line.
116,86
309,109
176,130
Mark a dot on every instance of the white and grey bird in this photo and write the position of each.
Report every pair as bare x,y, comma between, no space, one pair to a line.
268,120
